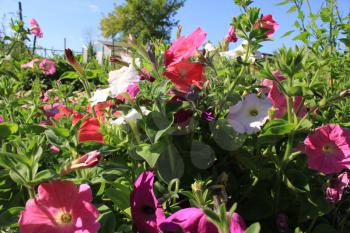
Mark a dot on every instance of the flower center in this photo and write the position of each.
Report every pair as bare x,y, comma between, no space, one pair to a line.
148,210
64,218
253,112
328,148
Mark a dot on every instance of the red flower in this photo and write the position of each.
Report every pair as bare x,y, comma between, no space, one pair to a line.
268,22
89,131
231,35
185,74
184,47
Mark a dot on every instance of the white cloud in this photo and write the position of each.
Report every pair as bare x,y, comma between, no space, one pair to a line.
94,8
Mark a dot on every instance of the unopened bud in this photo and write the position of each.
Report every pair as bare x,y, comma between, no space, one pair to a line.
88,160
72,61
272,113
179,31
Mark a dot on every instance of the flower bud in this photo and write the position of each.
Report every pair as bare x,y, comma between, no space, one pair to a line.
179,31
282,222
88,160
336,188
72,61
54,149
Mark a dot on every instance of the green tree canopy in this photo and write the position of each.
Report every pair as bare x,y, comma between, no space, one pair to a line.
143,19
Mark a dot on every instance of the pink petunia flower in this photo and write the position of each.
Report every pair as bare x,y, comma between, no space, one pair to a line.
30,64
133,89
231,36
184,47
35,28
194,220
146,212
48,66
269,23
54,149
334,192
60,207
1,119
328,149
278,99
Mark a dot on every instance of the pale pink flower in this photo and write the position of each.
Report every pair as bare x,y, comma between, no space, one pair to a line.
335,191
54,149
35,28
60,207
328,149
88,160
48,66
231,35
30,64
184,47
250,114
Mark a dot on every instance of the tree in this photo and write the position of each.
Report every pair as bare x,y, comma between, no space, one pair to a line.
144,19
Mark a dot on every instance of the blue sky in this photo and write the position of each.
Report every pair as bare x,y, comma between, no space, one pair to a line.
78,20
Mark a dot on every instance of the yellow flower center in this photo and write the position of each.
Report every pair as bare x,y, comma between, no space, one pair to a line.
64,218
328,148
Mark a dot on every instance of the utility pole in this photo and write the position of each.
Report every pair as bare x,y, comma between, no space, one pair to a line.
65,43
20,11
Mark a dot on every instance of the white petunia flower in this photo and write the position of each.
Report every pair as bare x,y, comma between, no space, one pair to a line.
132,116
100,95
250,114
241,51
209,47
119,80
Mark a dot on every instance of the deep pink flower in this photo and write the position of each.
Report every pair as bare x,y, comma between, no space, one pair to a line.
30,64
52,109
48,66
335,191
1,119
184,47
35,28
90,159
194,220
133,89
60,207
278,99
231,35
269,23
328,149
209,116
146,212
146,75
54,149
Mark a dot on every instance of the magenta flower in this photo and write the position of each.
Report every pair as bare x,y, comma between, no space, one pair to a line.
194,220
35,28
335,191
231,35
328,149
278,99
48,66
269,23
1,119
184,47
146,212
60,207
30,64
133,89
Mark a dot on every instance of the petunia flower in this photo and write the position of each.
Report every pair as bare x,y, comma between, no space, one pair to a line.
119,80
88,160
48,66
328,149
269,23
1,119
89,131
334,192
184,74
194,220
100,95
250,114
146,212
30,64
279,100
209,47
60,207
231,35
184,47
241,51
133,89
132,116
35,28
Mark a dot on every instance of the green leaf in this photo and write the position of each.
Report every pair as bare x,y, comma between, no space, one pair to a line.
277,127
297,181
254,228
43,176
10,216
107,220
292,9
150,153
284,2
225,136
119,194
7,129
302,36
287,34
170,164
324,228
202,155
70,75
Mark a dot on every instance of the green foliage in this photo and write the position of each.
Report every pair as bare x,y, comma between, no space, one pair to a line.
145,19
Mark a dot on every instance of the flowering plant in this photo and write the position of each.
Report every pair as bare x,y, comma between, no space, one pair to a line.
182,137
